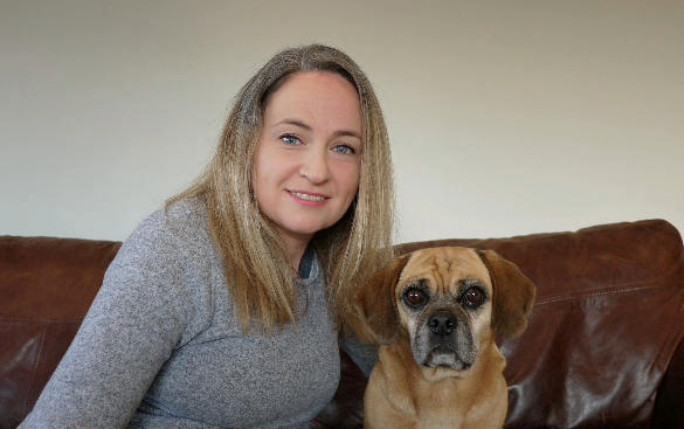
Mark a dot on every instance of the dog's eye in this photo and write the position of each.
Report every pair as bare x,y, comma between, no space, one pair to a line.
473,297
415,297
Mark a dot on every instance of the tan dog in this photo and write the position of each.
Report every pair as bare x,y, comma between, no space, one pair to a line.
438,311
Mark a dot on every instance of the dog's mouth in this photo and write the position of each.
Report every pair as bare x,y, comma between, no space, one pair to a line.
446,358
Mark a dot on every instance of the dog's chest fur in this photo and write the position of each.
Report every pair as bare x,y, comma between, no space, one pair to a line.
432,400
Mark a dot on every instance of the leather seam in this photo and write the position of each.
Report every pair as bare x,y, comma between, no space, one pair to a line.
600,293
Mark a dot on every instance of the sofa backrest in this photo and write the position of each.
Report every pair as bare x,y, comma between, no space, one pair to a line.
46,287
608,318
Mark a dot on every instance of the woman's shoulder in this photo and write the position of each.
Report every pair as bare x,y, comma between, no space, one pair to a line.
185,216
170,252
181,226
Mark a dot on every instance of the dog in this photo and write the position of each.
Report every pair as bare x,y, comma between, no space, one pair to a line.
436,314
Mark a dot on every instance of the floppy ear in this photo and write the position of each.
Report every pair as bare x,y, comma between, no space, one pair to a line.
376,312
513,295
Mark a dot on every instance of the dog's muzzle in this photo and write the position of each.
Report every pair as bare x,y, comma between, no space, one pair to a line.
445,340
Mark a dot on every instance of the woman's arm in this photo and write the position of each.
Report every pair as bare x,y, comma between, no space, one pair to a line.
132,327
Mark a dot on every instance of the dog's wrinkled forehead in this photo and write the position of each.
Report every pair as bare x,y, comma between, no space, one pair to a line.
444,267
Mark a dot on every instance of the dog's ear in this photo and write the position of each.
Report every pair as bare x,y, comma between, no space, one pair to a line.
376,315
514,295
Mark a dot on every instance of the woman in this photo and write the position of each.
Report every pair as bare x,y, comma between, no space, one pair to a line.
222,310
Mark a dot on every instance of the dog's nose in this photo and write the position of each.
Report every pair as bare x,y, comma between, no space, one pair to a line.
442,323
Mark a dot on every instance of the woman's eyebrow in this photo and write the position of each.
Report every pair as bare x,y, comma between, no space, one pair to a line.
346,133
295,122
299,123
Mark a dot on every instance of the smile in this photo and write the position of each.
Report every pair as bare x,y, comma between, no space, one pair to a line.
308,197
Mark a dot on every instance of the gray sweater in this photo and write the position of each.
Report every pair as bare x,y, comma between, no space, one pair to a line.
161,346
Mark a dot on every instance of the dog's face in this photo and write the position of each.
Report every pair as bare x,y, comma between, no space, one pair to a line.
448,301
444,303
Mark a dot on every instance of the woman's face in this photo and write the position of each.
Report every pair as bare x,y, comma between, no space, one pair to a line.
308,157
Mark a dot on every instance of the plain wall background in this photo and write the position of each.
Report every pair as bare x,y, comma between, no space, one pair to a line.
506,117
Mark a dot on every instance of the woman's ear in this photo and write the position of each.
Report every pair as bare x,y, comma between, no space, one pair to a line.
376,319
514,295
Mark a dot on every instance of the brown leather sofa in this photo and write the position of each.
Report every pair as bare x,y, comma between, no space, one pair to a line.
603,348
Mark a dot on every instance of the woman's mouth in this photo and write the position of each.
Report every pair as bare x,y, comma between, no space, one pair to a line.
308,197
314,198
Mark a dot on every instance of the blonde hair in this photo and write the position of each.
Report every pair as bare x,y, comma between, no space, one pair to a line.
259,275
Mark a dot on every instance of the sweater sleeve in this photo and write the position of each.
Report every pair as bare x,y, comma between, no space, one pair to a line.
133,325
364,355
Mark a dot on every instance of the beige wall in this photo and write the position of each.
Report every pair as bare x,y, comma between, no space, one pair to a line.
506,117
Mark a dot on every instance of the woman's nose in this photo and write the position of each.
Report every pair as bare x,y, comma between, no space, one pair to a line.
315,166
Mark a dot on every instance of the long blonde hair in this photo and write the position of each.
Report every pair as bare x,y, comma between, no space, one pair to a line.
260,279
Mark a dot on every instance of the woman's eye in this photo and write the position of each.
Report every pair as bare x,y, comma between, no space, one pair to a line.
290,140
344,149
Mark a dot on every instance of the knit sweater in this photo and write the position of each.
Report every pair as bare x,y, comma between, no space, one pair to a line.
161,346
